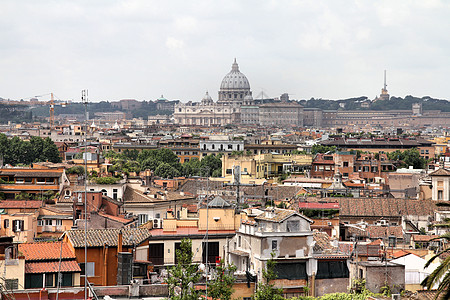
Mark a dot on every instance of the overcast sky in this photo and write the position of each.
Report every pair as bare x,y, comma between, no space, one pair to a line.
143,49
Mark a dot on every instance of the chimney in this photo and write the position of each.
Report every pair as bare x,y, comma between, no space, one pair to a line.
120,241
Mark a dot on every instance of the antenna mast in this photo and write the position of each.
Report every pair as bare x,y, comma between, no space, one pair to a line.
84,99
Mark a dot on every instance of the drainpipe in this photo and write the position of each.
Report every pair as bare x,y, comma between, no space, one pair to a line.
105,264
312,290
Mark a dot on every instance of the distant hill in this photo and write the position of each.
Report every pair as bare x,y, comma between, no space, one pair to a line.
148,108
394,103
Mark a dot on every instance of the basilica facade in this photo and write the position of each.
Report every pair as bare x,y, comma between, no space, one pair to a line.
227,110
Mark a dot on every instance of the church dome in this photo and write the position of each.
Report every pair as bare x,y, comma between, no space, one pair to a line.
235,79
207,100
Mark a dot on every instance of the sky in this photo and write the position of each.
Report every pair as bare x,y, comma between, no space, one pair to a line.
142,49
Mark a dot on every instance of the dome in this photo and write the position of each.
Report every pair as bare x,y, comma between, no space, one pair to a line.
207,99
248,98
235,79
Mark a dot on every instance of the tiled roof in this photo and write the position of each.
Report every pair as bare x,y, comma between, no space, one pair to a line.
99,237
316,205
52,267
276,192
440,172
116,218
400,253
423,238
31,173
20,204
323,243
278,215
45,251
384,207
132,195
384,231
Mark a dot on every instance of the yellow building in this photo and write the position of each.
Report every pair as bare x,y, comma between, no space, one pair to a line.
267,165
219,219
12,264
441,144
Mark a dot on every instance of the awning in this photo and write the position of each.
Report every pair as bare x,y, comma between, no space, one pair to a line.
239,252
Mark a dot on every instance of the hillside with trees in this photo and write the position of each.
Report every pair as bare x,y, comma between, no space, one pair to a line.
394,103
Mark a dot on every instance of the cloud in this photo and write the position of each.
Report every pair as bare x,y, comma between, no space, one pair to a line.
142,48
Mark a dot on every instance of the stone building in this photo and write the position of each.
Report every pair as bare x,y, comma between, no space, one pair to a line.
206,113
281,114
234,87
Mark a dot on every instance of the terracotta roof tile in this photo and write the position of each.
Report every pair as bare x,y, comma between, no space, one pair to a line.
45,251
440,172
99,237
135,196
382,231
52,267
423,238
20,204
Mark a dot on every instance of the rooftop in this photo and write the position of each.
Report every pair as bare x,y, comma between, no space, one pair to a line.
110,237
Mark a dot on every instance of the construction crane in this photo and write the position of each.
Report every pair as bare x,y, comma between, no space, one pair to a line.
52,109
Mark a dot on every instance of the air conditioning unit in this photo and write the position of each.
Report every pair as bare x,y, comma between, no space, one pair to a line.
157,223
383,222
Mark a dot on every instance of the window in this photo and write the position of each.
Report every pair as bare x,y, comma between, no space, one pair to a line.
48,222
332,269
40,222
345,164
440,195
17,225
33,281
67,279
274,245
239,241
291,271
230,147
90,269
293,226
158,215
143,218
12,284
58,222
6,223
49,280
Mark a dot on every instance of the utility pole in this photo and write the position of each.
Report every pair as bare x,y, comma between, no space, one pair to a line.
84,99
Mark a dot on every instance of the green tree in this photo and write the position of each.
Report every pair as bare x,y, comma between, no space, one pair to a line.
210,163
37,145
79,170
322,149
184,275
165,170
267,290
410,157
191,168
50,151
221,288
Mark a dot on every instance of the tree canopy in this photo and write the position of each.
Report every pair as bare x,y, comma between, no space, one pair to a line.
16,151
184,275
164,163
